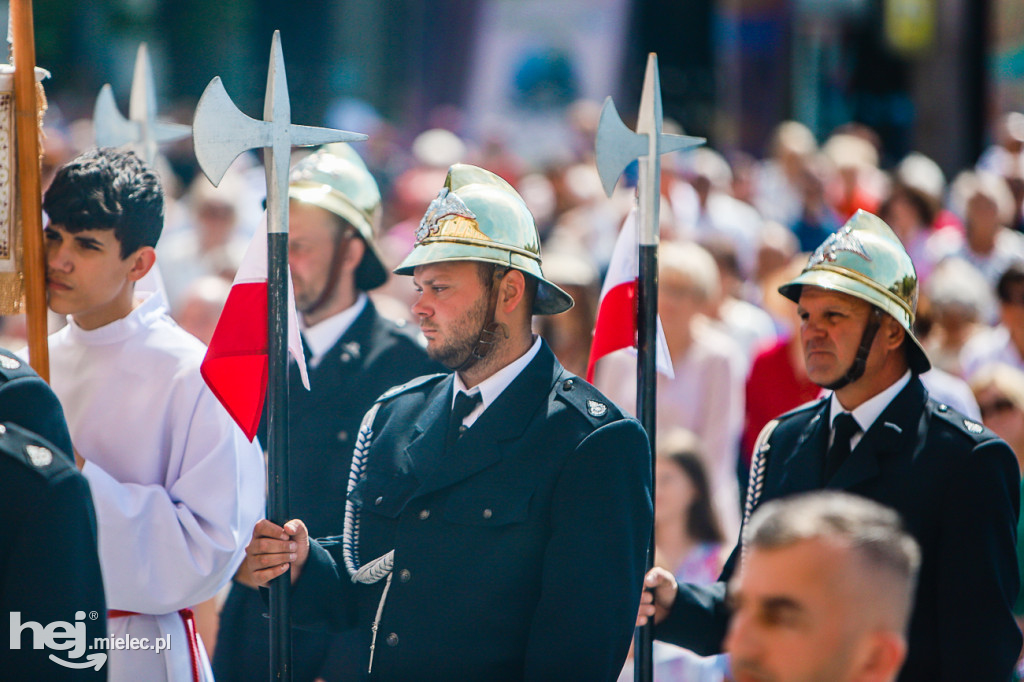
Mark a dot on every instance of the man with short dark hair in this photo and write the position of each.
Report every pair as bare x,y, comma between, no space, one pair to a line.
824,592
878,434
174,481
477,498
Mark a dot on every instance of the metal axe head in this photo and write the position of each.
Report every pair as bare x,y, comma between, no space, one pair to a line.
616,146
110,127
220,131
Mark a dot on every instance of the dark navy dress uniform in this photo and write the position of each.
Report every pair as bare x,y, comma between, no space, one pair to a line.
28,401
373,355
49,568
519,551
955,484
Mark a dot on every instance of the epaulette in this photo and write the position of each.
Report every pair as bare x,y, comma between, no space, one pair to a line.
408,386
809,405
13,367
970,428
33,452
588,400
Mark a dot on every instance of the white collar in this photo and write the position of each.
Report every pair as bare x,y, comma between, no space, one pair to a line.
151,305
493,386
867,412
322,336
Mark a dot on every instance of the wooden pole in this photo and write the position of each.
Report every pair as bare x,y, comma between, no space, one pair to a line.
26,124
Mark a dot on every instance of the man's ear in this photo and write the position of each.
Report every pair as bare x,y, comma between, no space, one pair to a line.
882,658
513,289
142,262
893,332
354,252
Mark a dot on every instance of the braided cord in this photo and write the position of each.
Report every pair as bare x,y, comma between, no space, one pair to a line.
755,483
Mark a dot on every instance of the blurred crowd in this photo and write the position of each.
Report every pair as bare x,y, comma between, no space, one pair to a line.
733,227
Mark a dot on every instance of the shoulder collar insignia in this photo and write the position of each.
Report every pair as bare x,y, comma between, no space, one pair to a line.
596,409
973,427
843,240
39,455
8,362
395,390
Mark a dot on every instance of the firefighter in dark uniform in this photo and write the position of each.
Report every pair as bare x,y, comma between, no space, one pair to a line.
479,498
353,355
26,400
49,568
878,434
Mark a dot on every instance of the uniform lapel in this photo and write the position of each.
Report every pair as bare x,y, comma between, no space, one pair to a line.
893,432
804,467
426,448
505,419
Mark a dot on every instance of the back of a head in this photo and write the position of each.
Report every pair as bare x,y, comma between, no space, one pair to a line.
887,559
107,189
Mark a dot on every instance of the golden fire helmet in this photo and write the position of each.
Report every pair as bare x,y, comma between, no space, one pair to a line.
866,259
477,216
335,179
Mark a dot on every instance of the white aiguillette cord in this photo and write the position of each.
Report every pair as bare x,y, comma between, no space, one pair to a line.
382,566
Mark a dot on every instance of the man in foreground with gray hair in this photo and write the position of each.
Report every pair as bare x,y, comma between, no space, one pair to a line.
823,593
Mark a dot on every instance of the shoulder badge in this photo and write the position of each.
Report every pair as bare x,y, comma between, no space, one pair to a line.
409,385
596,409
7,362
973,427
39,455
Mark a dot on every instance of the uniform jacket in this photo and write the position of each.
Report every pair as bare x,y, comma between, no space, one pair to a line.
49,568
373,355
26,400
955,484
519,553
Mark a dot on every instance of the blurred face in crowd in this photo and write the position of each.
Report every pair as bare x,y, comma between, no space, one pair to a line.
1002,415
800,615
982,219
678,303
674,491
1011,312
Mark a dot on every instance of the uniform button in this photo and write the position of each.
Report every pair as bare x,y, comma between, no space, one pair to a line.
424,514
378,500
342,436
488,513
404,575
567,385
943,408
345,357
392,639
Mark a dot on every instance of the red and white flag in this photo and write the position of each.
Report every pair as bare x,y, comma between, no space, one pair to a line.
615,327
236,364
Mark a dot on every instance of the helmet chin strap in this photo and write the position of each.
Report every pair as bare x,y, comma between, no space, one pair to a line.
342,236
860,361
491,331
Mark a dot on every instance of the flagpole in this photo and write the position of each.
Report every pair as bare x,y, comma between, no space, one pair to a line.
26,123
617,146
646,376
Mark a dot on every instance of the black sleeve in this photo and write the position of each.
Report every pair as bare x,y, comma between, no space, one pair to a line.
30,403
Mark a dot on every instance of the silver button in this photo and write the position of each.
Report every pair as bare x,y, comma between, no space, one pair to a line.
392,639
488,513
567,385
379,500
345,357
424,515
342,436
404,575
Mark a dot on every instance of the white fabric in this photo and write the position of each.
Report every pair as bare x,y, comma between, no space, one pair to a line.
176,486
869,411
322,336
706,396
491,387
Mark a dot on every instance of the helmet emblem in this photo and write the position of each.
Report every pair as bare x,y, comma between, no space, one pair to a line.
446,204
843,240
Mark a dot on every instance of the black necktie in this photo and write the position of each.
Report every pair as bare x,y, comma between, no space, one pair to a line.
845,427
464,404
